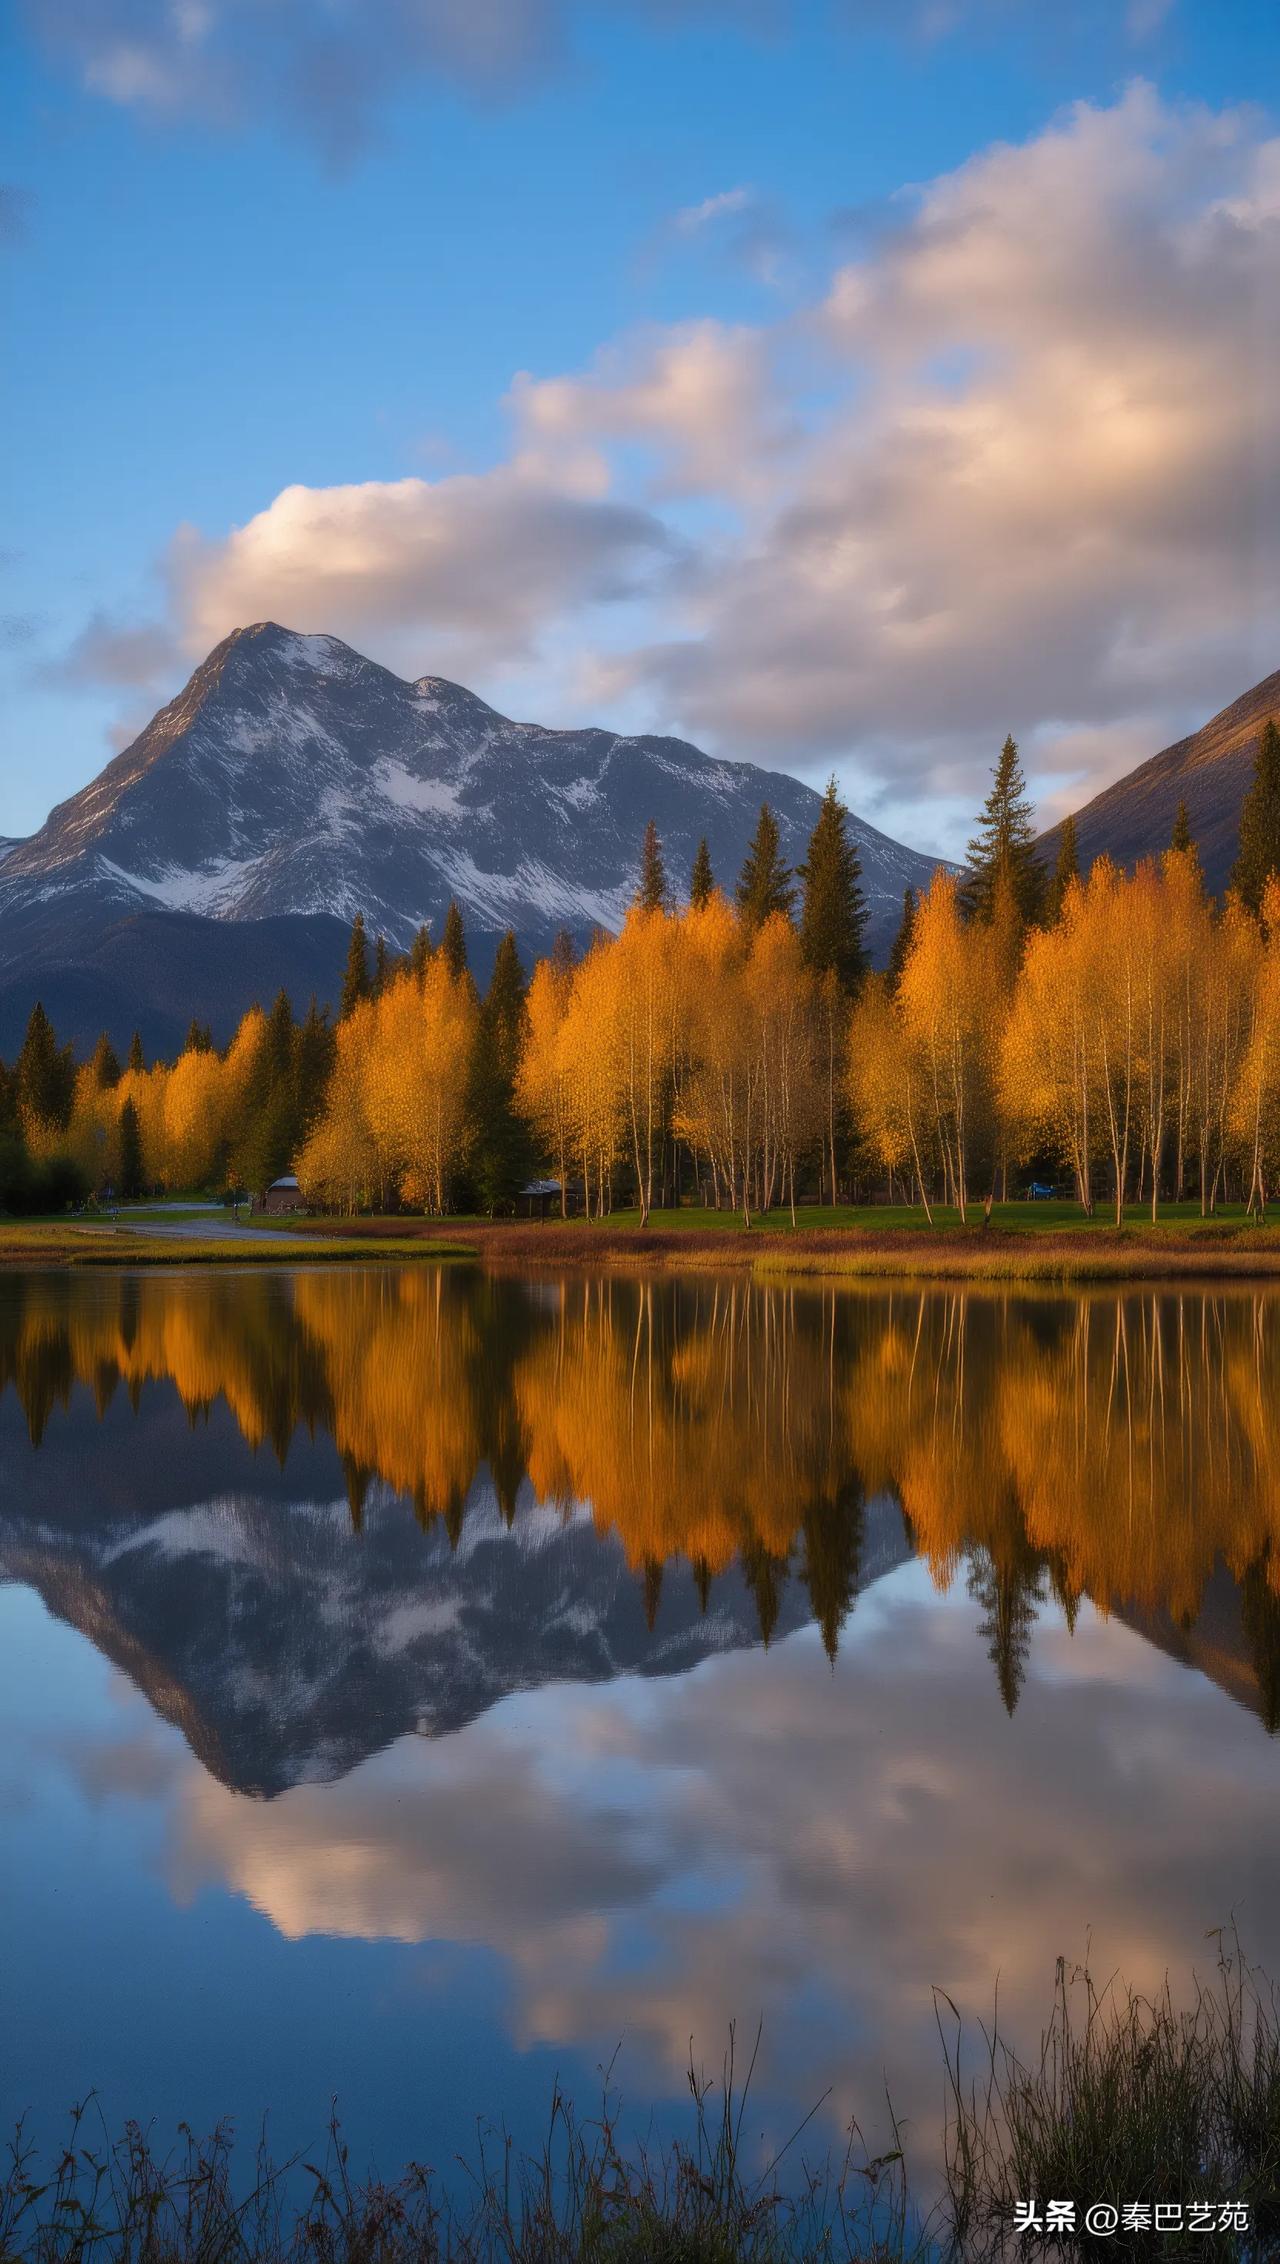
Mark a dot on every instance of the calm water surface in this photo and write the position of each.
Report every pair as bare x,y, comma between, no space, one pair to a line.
413,1685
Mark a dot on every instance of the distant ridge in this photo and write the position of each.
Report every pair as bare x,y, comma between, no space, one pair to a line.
1210,771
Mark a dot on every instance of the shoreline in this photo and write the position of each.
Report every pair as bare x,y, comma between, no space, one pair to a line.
1062,1255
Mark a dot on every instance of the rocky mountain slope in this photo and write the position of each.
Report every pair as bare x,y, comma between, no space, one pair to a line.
292,780
1209,771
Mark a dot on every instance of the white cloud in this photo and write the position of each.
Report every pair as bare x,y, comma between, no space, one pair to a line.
699,396
461,572
1019,467
694,217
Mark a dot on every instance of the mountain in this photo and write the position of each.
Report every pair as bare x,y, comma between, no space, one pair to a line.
287,1648
293,781
1210,771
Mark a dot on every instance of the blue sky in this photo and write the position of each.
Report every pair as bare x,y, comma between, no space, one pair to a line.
768,278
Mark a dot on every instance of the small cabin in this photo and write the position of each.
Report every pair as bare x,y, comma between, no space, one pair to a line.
539,1197
283,1195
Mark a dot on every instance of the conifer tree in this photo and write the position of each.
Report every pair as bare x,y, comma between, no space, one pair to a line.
1259,854
315,1049
702,880
45,1074
901,946
502,1157
104,1064
834,912
420,952
1181,838
130,1153
652,894
355,980
764,886
453,940
1004,844
381,966
137,1058
1066,869
199,1038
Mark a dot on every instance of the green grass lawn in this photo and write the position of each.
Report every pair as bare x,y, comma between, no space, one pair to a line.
1030,1218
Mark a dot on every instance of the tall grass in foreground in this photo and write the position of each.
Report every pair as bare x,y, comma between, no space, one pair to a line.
1131,2099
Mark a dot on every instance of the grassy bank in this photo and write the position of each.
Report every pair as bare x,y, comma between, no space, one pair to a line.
1023,1242
71,1243
1130,2102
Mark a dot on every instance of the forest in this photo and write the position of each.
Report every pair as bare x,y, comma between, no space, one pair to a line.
1117,1034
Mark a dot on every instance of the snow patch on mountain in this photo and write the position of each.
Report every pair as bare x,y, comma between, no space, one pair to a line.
429,797
210,892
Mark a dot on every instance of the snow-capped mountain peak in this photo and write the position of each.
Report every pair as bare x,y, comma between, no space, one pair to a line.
293,778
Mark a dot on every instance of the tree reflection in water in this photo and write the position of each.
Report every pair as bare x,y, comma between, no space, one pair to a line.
1114,1445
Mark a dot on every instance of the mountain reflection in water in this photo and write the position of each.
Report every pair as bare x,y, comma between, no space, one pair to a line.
611,1658
756,1454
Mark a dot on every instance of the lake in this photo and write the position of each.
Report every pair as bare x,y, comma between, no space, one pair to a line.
415,1685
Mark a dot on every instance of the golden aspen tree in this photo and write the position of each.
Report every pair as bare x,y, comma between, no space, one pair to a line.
642,968
590,1058
880,1086
1256,1102
941,1000
416,1077
781,994
338,1166
1046,1087
719,1099
542,1081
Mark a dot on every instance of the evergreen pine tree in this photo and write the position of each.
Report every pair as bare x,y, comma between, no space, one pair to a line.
901,947
381,966
1181,837
702,880
1066,869
453,941
764,886
45,1075
104,1065
833,916
502,1157
420,953
652,894
1005,844
1259,854
137,1058
314,1054
199,1037
355,980
130,1153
